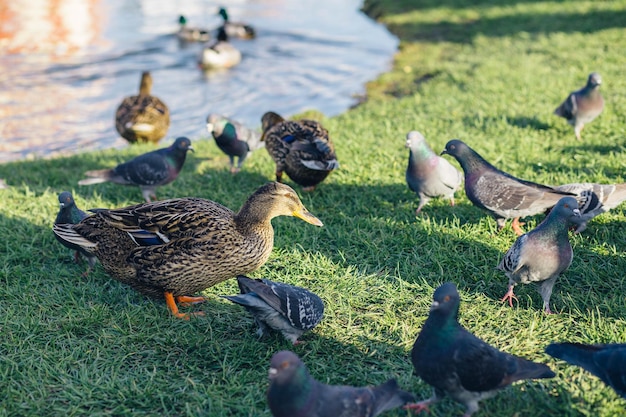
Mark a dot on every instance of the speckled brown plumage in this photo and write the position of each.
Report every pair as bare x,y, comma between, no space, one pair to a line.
144,117
300,148
182,246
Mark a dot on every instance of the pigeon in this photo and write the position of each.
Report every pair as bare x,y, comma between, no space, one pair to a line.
607,362
148,171
601,198
289,309
428,174
69,213
455,362
584,105
293,392
542,254
233,138
499,193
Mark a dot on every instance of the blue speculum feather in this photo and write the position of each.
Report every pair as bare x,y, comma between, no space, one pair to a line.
145,238
289,138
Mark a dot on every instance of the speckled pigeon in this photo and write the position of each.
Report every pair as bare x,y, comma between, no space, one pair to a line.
148,171
600,198
457,363
584,105
607,362
289,309
293,392
428,174
542,254
233,138
501,194
70,213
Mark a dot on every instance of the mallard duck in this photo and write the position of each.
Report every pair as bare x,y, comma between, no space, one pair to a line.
233,138
300,148
175,248
142,118
236,29
219,54
190,34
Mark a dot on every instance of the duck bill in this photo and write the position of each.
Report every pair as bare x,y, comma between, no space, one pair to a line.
307,217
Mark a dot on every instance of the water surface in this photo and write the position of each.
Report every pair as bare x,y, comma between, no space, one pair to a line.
65,66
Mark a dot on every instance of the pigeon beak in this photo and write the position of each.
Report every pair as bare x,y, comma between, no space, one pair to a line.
576,212
209,127
272,372
190,148
444,152
434,305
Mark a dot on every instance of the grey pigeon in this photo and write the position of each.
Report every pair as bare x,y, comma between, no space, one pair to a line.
428,174
69,213
600,199
501,194
148,171
607,362
289,309
457,363
542,254
233,138
584,105
293,392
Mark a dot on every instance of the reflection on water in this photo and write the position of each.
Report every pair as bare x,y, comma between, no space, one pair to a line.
65,66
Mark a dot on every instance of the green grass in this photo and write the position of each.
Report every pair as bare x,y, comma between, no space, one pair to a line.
490,74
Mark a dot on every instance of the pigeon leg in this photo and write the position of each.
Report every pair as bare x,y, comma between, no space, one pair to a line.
234,170
171,304
420,406
516,226
509,296
187,301
76,257
452,201
578,130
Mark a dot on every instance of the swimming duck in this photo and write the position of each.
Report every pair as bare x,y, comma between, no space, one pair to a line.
176,248
236,29
142,118
301,148
190,34
219,54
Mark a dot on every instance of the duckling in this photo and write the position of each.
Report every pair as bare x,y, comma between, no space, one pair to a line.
176,248
189,34
219,54
142,118
301,148
236,29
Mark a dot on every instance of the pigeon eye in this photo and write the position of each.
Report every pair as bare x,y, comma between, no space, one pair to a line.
284,365
446,298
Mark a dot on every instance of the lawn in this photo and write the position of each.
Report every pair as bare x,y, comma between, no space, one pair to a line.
487,72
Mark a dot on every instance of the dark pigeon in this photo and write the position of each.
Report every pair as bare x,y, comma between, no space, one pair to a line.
293,392
69,213
584,105
607,362
457,363
234,139
428,174
286,308
600,198
499,193
148,171
542,254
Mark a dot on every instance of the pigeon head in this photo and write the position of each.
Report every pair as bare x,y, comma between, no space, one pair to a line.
446,300
469,159
216,124
567,208
285,366
594,80
414,140
66,199
182,144
456,148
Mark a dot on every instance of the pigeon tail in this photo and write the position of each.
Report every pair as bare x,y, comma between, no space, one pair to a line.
96,177
389,396
576,354
528,370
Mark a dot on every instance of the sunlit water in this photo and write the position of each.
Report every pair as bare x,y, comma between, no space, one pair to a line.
65,69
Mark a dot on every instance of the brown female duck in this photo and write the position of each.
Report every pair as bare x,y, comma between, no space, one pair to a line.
175,248
300,148
144,117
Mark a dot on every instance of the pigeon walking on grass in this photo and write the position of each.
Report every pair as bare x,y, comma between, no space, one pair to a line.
148,171
293,392
542,254
69,213
599,198
584,105
289,309
234,139
428,174
607,362
457,363
499,193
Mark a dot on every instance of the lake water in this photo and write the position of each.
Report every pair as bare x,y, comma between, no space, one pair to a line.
65,66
